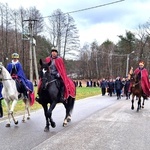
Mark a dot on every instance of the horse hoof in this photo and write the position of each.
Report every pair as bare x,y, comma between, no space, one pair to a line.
53,124
16,122
23,120
68,119
64,124
7,125
46,129
28,118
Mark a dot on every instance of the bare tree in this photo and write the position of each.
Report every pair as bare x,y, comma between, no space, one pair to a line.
63,32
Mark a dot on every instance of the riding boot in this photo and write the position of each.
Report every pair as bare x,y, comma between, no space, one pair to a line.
25,95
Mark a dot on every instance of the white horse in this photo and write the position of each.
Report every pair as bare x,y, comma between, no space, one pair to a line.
10,94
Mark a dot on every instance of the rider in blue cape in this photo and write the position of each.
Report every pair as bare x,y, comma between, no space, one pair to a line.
16,71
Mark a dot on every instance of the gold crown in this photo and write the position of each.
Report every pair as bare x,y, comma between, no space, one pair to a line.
15,55
141,63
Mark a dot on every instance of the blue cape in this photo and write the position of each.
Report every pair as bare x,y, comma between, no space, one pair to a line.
20,73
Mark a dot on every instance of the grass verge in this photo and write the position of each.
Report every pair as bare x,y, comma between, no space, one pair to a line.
81,92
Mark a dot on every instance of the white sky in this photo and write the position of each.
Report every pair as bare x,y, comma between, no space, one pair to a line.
99,24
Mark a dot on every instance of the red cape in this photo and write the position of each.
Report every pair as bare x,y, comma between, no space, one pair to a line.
69,84
144,80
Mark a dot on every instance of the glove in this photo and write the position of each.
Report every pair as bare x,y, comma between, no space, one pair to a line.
58,75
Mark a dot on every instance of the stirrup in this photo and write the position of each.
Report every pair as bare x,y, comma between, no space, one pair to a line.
25,97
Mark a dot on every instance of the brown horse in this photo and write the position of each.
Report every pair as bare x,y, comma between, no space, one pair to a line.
136,90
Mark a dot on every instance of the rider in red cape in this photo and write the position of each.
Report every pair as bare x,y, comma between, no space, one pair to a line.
143,73
68,83
58,70
144,78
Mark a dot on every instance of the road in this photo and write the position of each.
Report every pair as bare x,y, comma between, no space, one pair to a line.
98,123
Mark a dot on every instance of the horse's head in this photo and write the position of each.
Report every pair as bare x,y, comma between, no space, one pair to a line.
4,74
44,73
1,66
134,78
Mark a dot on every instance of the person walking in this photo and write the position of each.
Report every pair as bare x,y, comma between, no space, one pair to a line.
118,87
110,87
103,86
126,88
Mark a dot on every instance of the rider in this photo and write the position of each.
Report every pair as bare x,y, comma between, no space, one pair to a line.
142,72
16,71
58,71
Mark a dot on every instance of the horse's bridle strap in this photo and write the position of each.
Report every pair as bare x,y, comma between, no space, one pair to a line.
5,79
52,81
135,84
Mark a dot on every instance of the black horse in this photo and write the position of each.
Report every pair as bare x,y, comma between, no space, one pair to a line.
49,93
136,90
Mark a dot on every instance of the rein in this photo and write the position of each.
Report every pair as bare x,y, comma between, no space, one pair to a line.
47,83
5,79
135,84
52,81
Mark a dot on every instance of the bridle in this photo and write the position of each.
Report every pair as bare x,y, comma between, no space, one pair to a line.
3,79
46,79
136,83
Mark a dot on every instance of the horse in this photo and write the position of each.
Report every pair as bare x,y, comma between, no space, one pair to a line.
11,96
49,93
136,90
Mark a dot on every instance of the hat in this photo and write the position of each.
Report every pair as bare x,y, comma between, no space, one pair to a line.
54,49
15,55
141,63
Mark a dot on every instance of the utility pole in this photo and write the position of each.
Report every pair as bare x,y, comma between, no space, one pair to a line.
32,53
35,61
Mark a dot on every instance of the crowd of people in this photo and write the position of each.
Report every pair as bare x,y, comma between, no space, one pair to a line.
119,87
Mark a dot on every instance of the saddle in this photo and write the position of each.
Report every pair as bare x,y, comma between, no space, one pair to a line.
19,84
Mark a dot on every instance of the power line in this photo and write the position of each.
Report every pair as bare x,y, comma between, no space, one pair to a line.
84,9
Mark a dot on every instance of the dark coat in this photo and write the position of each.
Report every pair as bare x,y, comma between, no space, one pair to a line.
127,85
118,85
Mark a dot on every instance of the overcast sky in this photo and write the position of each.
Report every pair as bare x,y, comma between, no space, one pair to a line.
101,23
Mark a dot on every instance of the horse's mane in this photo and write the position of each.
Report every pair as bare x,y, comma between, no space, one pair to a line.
5,72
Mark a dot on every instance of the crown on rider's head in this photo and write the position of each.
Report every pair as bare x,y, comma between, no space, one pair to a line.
54,49
141,63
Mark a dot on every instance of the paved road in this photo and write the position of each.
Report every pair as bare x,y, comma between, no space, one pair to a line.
98,123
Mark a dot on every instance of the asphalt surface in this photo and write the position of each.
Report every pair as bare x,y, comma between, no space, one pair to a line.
98,123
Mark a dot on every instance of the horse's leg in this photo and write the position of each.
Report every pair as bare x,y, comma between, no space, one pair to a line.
45,107
27,109
132,106
49,114
67,114
8,110
12,109
139,104
143,102
69,107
